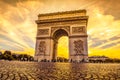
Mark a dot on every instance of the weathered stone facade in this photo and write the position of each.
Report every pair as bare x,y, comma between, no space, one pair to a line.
52,26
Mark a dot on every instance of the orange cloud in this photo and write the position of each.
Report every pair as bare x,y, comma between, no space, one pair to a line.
18,28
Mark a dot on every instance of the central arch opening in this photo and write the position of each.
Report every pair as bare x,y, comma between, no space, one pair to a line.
62,49
60,45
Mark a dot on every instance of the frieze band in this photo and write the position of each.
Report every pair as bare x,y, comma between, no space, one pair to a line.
78,29
43,32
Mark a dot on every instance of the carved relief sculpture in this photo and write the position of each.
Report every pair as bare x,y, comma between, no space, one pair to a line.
78,47
42,48
77,29
43,32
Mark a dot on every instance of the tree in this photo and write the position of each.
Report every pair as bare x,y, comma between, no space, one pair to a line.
0,53
22,57
1,56
15,56
25,57
7,53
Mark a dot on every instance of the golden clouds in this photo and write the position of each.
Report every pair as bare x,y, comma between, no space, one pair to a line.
18,28
104,37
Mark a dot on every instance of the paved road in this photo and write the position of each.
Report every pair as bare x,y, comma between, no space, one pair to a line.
15,70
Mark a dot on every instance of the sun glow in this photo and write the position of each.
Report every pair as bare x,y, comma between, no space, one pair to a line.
18,28
63,50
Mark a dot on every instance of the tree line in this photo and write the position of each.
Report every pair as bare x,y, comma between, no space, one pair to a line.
7,55
109,60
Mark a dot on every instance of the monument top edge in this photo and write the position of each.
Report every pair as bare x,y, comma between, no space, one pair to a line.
64,12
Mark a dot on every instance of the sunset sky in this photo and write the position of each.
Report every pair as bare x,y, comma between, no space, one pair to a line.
18,27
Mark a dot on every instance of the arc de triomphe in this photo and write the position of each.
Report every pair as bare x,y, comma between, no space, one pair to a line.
51,26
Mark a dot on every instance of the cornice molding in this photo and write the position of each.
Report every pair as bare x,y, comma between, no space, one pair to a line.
75,36
64,12
62,19
44,38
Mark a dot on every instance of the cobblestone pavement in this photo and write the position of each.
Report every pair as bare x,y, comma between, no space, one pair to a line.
15,70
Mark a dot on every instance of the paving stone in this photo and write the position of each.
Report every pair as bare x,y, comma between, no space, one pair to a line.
88,76
16,70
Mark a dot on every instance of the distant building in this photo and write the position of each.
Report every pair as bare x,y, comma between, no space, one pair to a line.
97,58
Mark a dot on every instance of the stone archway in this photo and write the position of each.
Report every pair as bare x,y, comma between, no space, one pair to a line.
51,26
57,34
